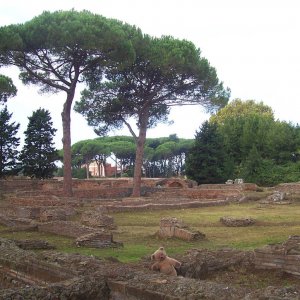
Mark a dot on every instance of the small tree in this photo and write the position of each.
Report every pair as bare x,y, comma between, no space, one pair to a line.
8,143
38,154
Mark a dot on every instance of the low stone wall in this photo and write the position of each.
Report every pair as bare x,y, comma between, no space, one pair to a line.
27,268
243,186
236,222
288,187
159,206
65,228
99,239
33,245
40,201
85,236
172,227
284,257
196,193
110,188
96,219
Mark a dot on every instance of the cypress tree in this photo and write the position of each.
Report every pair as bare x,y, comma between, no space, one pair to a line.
8,144
38,155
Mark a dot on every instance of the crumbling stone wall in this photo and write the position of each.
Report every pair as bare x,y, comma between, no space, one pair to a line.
81,277
99,239
65,228
97,219
237,222
172,227
52,214
85,236
284,257
33,190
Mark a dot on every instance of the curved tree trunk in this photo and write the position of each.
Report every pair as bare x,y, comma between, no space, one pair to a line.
66,140
137,177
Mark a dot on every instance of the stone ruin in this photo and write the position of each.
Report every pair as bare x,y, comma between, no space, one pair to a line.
172,227
54,221
34,244
277,197
53,214
236,222
97,219
52,275
84,235
99,239
284,257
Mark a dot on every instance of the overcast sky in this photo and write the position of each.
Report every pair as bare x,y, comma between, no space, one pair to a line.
253,44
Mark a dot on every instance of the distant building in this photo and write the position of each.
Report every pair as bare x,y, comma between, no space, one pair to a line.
102,171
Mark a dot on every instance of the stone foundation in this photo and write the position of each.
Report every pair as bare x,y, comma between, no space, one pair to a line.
96,219
65,228
52,275
85,236
99,239
237,222
172,227
284,257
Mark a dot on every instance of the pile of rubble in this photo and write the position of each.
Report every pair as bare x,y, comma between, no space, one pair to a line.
236,222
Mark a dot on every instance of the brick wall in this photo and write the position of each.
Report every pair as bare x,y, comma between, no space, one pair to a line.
47,191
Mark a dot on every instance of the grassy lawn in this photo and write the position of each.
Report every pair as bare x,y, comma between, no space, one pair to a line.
137,230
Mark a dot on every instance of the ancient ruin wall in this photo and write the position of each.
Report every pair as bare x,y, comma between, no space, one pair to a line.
65,228
284,257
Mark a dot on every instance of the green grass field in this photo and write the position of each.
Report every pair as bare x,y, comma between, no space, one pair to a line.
274,224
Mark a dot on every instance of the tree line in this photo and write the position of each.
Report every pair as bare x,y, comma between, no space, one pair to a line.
163,156
242,140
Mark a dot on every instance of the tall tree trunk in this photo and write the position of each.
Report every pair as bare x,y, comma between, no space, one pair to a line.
66,140
99,168
87,167
137,177
104,167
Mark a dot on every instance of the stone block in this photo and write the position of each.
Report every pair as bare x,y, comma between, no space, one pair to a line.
172,227
99,239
